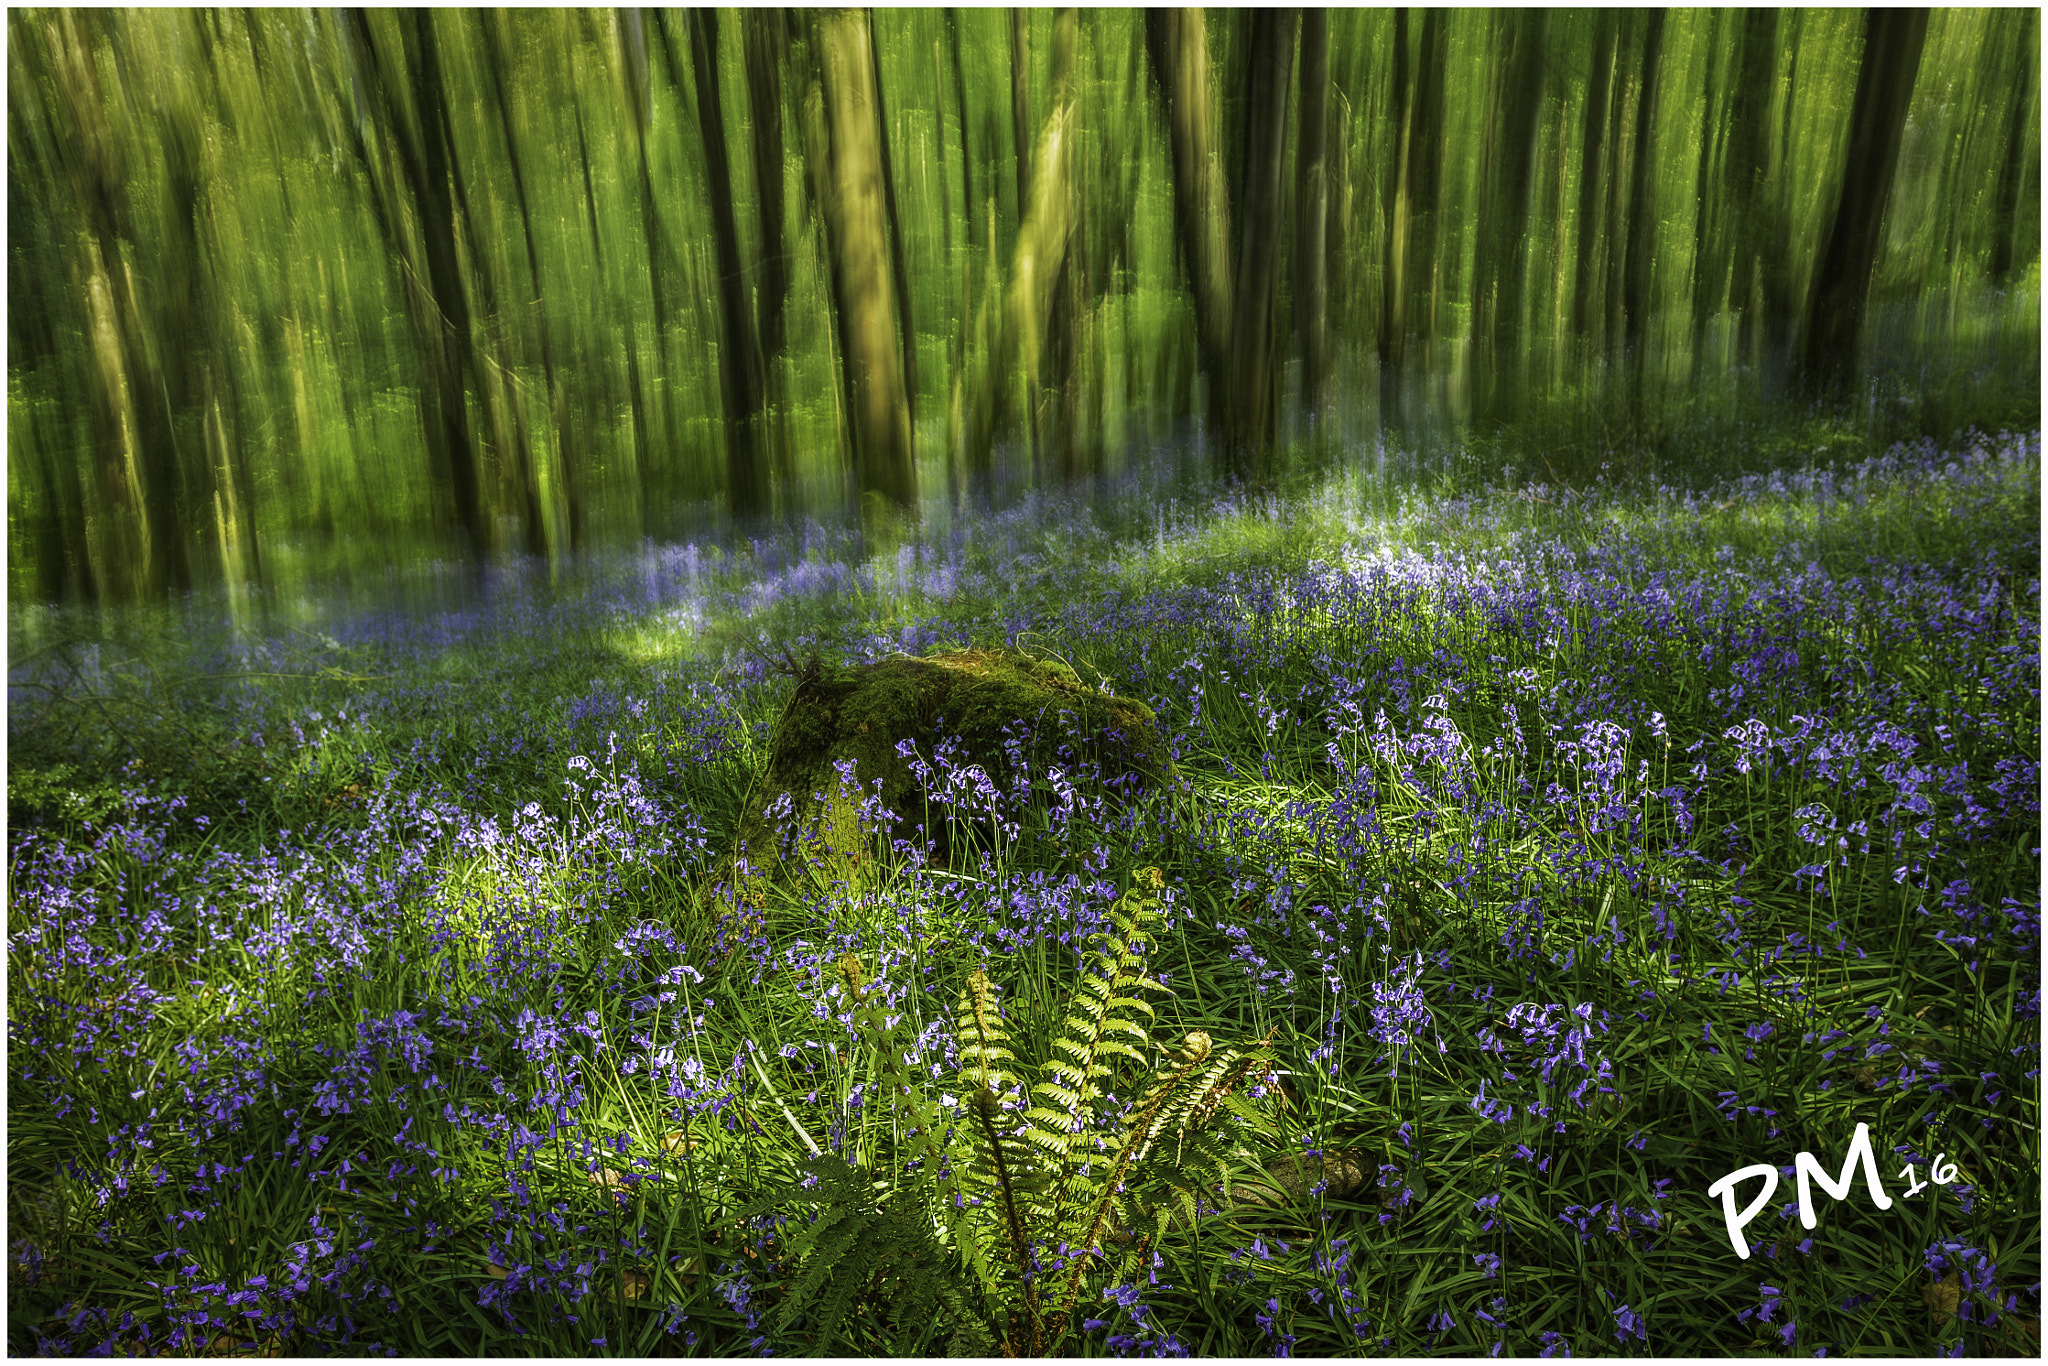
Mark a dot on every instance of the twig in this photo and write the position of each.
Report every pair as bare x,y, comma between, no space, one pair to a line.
754,1053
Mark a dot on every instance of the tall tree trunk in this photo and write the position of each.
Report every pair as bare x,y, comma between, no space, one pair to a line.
540,539
970,204
1642,204
1877,123
142,553
1067,339
767,45
1426,179
1311,212
1254,356
898,261
1706,286
1745,174
739,364
1020,102
2013,168
1177,43
1500,270
857,237
440,313
651,429
578,504
1399,203
766,35
1036,264
1597,166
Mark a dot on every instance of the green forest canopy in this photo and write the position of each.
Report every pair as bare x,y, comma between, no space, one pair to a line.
527,280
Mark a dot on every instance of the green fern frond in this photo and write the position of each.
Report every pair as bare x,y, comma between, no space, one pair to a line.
848,1249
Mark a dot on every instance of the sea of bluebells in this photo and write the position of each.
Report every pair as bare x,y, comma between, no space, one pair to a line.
377,983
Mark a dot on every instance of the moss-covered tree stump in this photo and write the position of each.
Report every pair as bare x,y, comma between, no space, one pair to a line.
990,708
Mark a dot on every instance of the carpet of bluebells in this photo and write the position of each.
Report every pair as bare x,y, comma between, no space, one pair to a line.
373,988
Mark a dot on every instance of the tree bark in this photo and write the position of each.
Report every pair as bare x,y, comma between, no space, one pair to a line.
540,539
651,429
2012,170
766,41
1177,44
1020,102
741,386
1254,356
1425,179
1877,123
1597,163
1642,203
1398,205
899,262
1500,270
857,237
1745,174
1311,212
969,203
142,550
440,312
1037,262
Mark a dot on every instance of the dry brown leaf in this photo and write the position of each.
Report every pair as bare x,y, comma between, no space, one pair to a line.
496,1272
635,1285
1942,1298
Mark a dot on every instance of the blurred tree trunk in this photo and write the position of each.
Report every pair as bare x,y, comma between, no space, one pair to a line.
1778,319
1425,183
1254,378
969,203
1036,264
1398,204
1176,42
142,551
739,364
1069,319
577,504
766,34
975,469
652,433
1311,212
1641,223
899,264
2017,167
540,516
1500,270
440,310
1597,162
954,327
855,208
1742,242
1877,124
1020,102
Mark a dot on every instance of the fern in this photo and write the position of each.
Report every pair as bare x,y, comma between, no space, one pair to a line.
1095,1165
1065,1173
850,1248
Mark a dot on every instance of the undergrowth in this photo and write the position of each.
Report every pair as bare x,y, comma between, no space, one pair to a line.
1538,859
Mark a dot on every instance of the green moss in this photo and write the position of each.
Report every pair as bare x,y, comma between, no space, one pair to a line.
861,714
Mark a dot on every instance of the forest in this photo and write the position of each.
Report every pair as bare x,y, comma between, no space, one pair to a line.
1023,682
296,292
